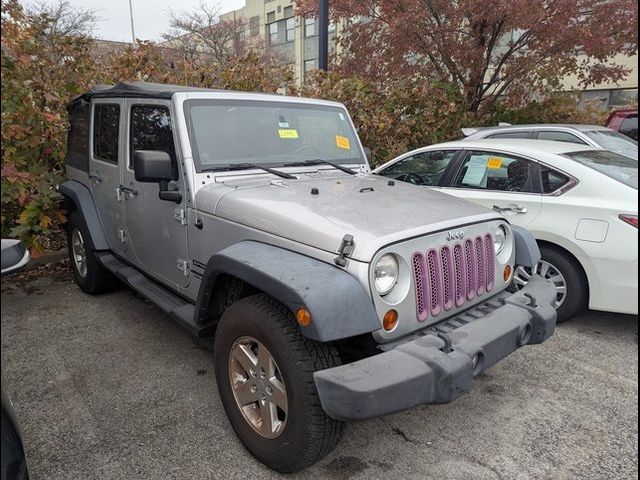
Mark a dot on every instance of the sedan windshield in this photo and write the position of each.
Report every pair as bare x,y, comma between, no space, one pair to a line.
614,141
226,133
618,167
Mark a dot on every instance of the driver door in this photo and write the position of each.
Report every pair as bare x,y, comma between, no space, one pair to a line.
156,229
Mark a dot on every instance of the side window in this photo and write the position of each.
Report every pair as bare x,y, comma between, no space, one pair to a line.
493,171
151,130
519,134
422,168
559,137
106,131
552,180
78,138
629,127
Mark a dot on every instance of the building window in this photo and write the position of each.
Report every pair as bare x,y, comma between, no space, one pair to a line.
254,26
310,27
273,33
271,17
288,12
291,29
310,65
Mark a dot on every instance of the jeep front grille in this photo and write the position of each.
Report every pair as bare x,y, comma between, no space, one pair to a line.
452,275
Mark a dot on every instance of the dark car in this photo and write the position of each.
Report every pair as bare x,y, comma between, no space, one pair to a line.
625,122
13,464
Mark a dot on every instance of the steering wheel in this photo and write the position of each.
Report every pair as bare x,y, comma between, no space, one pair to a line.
415,179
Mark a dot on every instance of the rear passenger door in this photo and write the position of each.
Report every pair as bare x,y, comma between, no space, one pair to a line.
503,182
106,147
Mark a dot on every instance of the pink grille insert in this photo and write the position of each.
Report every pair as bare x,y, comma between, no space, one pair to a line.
460,274
470,260
481,275
489,261
434,269
448,278
422,288
453,275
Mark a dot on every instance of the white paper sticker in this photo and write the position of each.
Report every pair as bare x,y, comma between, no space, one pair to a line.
476,174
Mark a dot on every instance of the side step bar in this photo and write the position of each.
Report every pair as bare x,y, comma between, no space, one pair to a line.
177,308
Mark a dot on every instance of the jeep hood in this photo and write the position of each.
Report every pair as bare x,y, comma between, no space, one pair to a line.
372,209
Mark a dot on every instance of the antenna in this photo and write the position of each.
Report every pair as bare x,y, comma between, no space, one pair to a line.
133,33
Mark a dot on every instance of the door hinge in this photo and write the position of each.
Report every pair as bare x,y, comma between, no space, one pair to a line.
122,235
184,266
180,215
119,194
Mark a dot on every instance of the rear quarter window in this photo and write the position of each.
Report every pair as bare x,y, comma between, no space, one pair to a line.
78,136
519,134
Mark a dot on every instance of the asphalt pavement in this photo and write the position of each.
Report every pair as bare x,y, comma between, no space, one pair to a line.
108,387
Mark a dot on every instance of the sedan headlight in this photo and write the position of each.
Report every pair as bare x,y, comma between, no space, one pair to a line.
499,239
386,274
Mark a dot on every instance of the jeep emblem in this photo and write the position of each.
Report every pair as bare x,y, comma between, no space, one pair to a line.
455,235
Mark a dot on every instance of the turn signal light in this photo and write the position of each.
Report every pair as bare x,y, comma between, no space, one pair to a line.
390,320
304,317
630,219
506,274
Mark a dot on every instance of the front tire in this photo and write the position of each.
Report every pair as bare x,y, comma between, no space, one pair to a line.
567,276
89,274
264,371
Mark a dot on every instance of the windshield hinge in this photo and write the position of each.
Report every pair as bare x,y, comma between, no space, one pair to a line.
346,248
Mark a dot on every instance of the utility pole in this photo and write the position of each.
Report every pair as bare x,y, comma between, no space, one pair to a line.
133,33
323,35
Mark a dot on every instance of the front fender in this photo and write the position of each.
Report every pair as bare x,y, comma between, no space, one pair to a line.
339,304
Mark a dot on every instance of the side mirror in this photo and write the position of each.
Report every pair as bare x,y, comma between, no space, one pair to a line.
152,166
15,256
368,154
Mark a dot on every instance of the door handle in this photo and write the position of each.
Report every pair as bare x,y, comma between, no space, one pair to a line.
514,209
95,178
128,190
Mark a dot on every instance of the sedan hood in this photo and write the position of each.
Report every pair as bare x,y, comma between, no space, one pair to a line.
319,210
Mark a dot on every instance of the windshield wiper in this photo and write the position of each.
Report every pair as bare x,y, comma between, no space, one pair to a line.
247,166
319,161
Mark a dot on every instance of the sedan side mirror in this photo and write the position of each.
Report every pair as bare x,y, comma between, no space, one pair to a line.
152,166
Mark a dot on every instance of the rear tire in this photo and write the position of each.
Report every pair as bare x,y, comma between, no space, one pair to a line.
88,272
305,433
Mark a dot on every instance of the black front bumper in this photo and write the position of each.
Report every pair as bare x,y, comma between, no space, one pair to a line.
438,364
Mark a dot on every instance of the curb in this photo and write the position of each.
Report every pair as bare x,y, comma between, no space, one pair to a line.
49,257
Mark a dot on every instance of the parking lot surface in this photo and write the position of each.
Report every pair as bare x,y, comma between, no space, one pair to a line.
108,387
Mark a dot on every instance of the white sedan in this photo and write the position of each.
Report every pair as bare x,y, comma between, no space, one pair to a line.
581,205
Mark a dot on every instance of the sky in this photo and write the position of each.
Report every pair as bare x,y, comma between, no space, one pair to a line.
150,16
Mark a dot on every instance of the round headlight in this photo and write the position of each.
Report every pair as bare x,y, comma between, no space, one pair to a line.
386,274
499,238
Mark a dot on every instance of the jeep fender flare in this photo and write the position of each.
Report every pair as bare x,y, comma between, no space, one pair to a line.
340,306
81,197
527,249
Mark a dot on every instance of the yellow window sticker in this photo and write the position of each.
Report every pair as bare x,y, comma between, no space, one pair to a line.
494,162
343,142
288,133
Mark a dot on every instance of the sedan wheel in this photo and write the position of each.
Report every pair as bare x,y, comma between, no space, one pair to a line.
548,271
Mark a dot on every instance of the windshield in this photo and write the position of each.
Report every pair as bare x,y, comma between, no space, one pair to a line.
618,167
614,141
225,133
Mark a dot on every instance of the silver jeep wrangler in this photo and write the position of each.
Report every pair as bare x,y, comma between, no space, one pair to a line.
330,294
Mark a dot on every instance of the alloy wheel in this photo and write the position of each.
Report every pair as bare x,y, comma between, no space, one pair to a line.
258,387
79,253
546,270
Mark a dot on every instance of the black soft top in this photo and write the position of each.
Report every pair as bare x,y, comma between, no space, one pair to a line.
137,89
